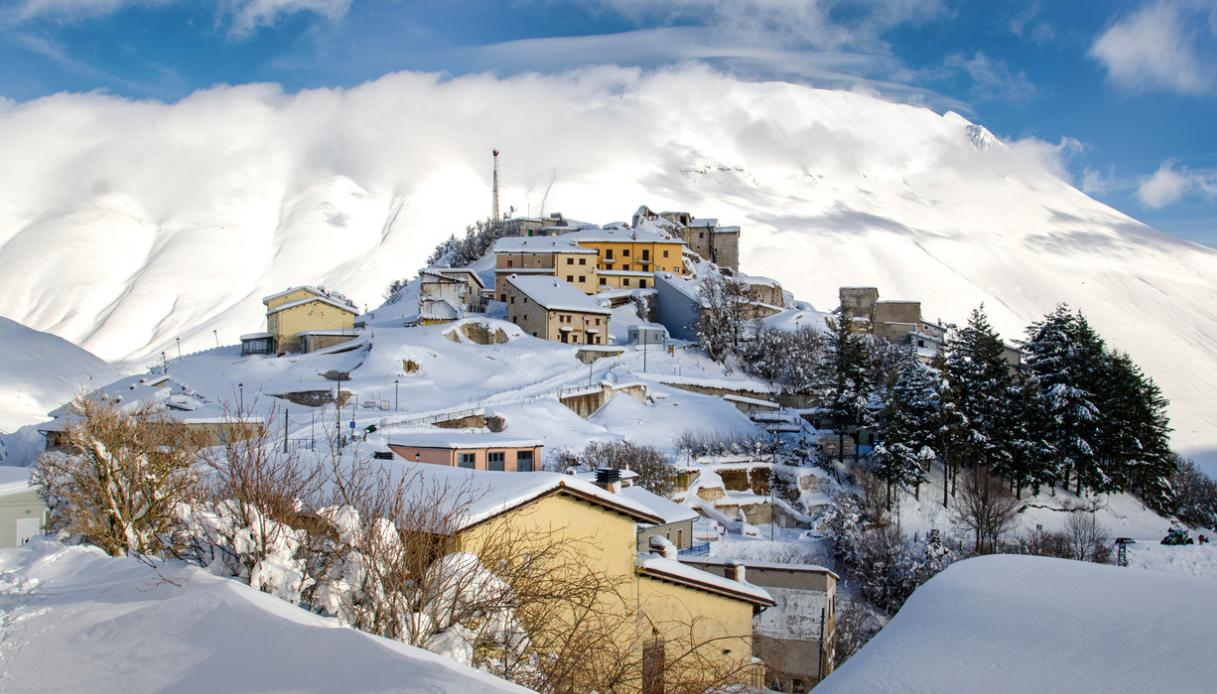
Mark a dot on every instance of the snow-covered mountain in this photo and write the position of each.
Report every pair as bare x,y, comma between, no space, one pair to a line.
125,225
39,372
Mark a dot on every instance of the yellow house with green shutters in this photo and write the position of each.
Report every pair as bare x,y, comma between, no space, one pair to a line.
677,627
302,319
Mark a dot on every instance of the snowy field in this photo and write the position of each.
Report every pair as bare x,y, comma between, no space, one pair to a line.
74,619
1003,624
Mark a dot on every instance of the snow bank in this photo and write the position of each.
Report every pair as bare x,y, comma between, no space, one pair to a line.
1031,624
77,620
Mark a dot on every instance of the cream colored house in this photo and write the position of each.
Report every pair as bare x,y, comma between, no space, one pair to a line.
552,309
22,513
292,313
667,609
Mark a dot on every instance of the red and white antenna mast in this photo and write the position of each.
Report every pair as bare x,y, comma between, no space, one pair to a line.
494,205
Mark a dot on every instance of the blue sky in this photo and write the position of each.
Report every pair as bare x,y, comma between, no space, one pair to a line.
1126,89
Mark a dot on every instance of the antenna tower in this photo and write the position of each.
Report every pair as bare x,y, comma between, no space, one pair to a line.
494,205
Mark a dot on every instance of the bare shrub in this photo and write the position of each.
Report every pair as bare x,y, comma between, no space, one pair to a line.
120,479
986,507
655,473
1088,539
857,623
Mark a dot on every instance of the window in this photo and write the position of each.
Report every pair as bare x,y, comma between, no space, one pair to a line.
680,538
570,278
502,297
608,266
646,254
583,261
597,321
582,278
466,460
570,261
510,262
642,284
608,254
523,461
625,282
513,299
665,252
603,281
625,252
701,234
494,461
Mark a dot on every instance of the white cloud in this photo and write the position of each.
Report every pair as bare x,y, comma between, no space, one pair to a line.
1094,182
241,17
1169,185
1163,45
993,80
1040,154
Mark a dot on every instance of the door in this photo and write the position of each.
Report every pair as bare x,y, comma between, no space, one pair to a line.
28,527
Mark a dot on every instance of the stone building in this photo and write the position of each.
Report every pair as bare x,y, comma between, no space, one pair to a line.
552,309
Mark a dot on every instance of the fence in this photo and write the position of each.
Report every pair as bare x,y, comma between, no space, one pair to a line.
694,550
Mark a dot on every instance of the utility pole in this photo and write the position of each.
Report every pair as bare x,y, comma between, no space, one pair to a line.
285,430
179,347
338,410
494,205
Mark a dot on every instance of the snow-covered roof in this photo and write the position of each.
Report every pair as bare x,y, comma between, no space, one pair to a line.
689,288
308,300
493,493
555,294
461,439
540,244
732,229
524,271
753,401
757,280
332,332
14,480
302,288
704,222
671,511
619,235
459,272
776,566
677,572
256,336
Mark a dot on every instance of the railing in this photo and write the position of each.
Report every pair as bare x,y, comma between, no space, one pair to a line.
695,550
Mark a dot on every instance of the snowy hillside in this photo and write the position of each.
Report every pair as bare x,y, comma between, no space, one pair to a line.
236,192
1032,624
78,620
39,372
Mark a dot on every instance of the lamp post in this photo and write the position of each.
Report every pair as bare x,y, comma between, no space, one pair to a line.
164,363
241,401
216,335
395,400
179,347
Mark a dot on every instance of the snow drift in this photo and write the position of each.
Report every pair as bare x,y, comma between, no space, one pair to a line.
123,243
39,372
1031,624
77,620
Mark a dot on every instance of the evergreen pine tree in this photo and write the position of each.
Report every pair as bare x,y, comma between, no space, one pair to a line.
909,420
845,385
1134,442
1031,457
1067,358
980,380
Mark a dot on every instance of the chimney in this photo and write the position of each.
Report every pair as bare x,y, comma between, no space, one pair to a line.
608,478
736,572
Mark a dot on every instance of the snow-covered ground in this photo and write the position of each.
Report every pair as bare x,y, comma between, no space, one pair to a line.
1031,624
39,372
73,619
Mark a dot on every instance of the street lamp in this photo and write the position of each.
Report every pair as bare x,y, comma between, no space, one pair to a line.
241,402
395,383
179,347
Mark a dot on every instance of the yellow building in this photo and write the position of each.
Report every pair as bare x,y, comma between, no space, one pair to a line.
632,250
553,256
300,319
672,621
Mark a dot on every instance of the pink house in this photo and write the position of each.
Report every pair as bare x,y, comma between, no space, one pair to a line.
474,451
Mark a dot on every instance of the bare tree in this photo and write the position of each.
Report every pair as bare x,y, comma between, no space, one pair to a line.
121,480
1088,539
655,473
986,506
721,324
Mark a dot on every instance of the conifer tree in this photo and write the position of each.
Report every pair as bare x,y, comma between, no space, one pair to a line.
845,384
1031,456
980,381
1066,357
909,420
1134,442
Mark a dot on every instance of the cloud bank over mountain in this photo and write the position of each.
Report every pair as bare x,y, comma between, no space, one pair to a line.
127,224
